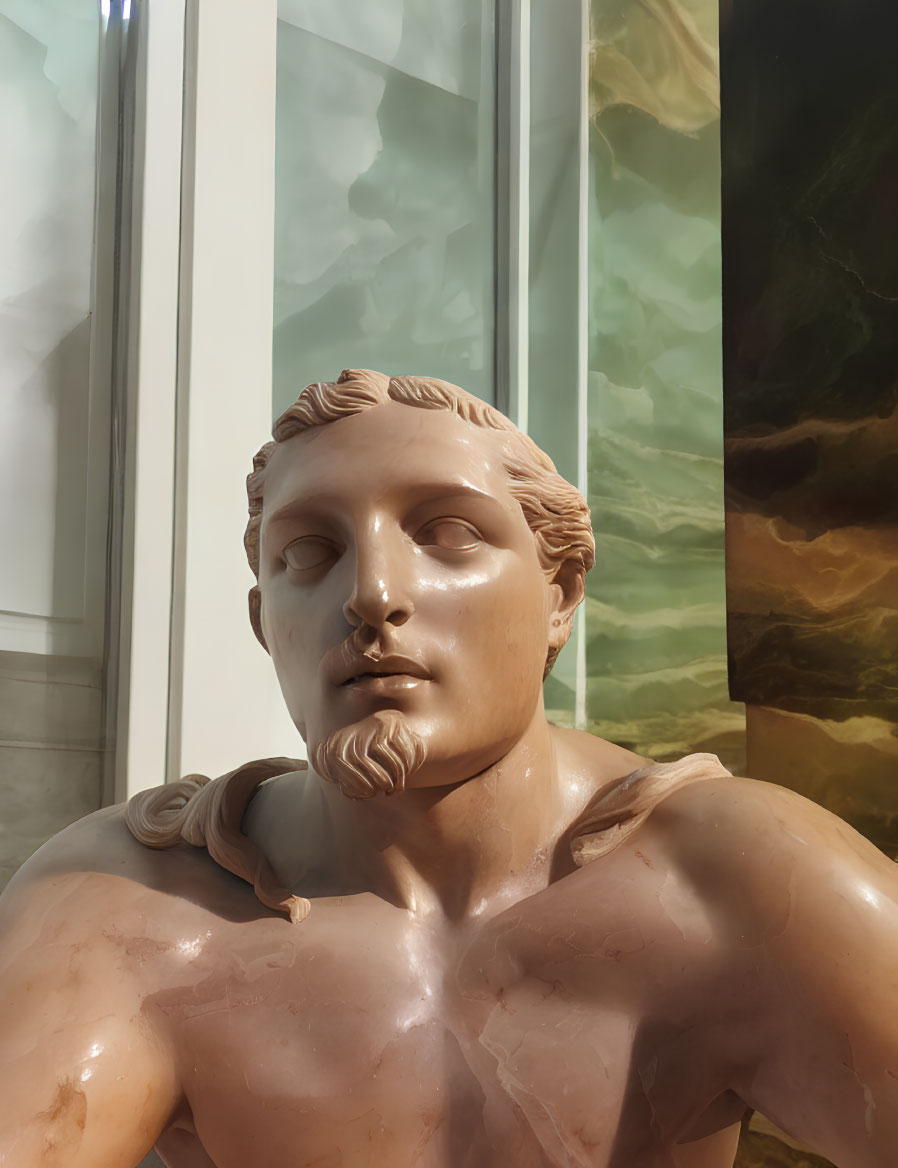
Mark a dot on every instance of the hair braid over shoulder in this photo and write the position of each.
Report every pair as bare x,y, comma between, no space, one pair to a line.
209,814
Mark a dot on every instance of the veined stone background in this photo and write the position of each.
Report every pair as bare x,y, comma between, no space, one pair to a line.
810,393
810,279
656,602
810,244
385,159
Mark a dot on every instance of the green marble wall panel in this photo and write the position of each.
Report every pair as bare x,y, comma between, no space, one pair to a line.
655,607
384,203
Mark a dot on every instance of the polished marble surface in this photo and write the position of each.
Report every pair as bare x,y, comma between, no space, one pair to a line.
655,609
811,356
810,188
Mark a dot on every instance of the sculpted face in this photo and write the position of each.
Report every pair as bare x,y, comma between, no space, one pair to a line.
398,573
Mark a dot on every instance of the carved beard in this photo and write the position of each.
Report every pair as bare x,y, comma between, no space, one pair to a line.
377,756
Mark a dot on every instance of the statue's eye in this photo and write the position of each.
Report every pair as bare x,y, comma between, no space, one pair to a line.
309,551
449,533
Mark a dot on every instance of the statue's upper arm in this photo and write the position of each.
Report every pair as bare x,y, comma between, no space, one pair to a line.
84,1080
839,953
811,910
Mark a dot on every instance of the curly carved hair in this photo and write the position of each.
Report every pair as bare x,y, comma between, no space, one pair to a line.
555,511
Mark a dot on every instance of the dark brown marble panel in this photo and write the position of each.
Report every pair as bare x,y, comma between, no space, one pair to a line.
810,280
810,246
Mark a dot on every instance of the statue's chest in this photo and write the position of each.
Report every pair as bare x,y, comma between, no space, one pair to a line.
359,1040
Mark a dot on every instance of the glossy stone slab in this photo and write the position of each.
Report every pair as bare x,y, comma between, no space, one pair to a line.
655,609
810,183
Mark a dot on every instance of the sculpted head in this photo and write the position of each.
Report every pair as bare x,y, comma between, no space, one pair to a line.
419,561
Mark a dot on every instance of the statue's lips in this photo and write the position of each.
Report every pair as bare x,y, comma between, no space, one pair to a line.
383,684
383,674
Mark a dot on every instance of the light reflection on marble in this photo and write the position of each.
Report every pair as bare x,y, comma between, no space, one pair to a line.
659,56
655,610
384,192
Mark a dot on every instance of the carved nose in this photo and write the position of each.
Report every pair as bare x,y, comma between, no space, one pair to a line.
380,596
358,613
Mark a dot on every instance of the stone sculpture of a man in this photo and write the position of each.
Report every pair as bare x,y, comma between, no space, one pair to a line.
483,942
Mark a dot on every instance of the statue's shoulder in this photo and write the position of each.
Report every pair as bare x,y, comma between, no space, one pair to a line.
181,840
210,815
762,837
97,845
697,828
97,860
90,877
754,853
621,806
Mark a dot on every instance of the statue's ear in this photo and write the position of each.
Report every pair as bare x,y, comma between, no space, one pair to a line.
255,614
568,589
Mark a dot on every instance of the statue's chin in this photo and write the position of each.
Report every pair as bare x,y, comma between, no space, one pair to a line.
375,757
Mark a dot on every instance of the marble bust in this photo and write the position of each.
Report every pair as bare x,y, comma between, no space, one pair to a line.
461,937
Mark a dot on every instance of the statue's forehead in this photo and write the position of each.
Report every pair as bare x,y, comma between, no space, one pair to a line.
391,444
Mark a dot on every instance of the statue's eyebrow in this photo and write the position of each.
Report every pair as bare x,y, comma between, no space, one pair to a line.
424,493
419,495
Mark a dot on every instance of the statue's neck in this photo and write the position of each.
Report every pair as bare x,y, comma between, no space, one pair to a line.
462,850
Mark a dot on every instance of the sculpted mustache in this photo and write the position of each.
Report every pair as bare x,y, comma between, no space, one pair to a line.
345,659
